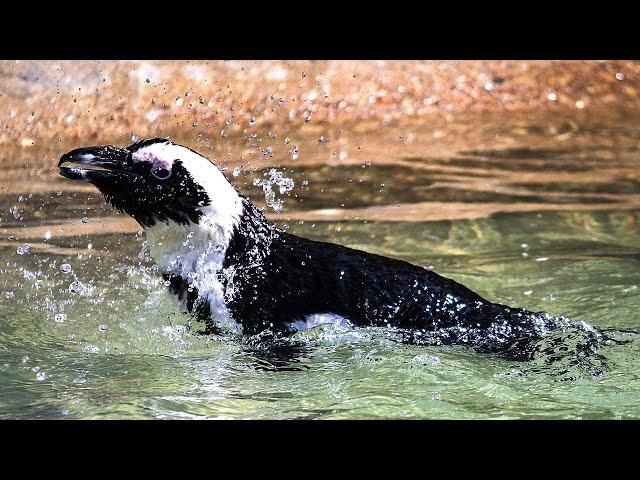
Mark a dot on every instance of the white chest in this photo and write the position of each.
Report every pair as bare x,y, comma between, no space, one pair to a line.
195,253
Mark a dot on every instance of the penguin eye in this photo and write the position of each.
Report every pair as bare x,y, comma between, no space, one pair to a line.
160,173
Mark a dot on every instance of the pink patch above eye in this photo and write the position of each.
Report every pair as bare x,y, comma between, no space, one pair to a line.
152,158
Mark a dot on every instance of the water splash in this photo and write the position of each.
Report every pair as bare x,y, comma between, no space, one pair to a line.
284,184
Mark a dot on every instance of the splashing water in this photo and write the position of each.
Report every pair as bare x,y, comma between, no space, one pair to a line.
284,185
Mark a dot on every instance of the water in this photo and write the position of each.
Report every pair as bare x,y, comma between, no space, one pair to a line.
88,331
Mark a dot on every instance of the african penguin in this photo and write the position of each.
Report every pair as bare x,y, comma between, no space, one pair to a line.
228,265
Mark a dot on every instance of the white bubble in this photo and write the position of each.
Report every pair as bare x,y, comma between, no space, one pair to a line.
76,287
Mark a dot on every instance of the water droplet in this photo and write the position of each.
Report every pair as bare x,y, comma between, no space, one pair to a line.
620,76
85,219
75,287
252,121
60,318
15,212
65,268
552,97
103,328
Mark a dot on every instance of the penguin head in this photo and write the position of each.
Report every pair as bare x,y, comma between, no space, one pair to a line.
156,181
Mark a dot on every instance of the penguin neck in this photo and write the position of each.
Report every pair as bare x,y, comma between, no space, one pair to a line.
215,242
251,239
183,249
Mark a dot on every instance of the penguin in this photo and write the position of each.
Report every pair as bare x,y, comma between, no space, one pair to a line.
230,267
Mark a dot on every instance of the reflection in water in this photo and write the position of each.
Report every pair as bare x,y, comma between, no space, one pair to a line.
88,331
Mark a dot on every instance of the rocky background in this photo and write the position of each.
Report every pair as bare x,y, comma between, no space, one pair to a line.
69,100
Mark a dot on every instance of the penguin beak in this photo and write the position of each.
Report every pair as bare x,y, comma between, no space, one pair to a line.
95,163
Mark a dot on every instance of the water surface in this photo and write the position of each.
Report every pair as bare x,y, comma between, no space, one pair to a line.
88,331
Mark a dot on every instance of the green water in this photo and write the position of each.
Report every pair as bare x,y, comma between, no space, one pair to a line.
112,345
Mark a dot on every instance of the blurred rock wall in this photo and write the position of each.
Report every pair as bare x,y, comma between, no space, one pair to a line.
67,100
